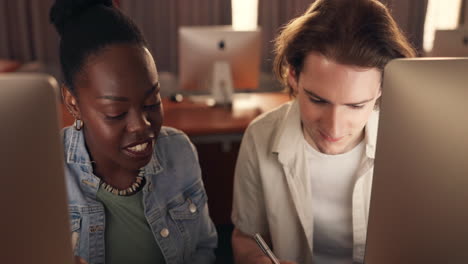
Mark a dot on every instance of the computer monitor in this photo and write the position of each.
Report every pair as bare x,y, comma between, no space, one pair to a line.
34,224
203,48
450,43
419,201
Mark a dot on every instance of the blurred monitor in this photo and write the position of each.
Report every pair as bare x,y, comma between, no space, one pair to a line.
34,224
450,43
201,46
419,202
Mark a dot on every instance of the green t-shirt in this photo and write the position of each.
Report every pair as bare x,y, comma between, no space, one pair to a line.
129,238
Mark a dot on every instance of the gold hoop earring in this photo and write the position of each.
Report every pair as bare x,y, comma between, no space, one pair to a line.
78,124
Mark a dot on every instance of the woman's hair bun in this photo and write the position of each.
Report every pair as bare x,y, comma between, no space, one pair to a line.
65,10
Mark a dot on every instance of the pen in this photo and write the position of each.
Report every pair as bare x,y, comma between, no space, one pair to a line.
261,243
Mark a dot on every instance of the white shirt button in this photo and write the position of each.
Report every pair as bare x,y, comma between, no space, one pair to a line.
192,208
164,232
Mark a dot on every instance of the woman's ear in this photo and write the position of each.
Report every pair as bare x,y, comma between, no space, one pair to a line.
70,102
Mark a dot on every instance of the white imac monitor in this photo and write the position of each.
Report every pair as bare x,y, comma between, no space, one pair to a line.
214,56
419,202
34,224
450,43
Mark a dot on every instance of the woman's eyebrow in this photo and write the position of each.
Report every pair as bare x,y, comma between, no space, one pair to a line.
154,88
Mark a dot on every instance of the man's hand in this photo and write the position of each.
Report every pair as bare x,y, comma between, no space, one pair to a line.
246,250
259,259
262,259
79,260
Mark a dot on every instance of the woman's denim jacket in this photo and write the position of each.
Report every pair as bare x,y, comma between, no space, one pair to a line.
184,233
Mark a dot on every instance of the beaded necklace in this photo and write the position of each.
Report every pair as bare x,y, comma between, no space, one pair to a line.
136,186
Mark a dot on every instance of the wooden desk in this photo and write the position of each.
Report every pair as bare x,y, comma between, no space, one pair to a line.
198,119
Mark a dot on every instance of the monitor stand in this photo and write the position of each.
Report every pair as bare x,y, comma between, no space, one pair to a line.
222,89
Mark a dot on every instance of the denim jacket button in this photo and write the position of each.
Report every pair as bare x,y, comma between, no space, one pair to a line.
164,232
192,208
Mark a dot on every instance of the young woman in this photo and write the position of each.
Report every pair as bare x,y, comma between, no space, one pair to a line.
135,189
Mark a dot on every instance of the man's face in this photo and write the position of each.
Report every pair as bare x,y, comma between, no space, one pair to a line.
119,103
335,102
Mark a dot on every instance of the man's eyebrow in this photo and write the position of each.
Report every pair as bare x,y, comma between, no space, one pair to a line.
361,102
316,96
327,101
154,88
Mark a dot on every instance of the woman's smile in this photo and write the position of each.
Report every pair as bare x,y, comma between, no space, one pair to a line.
140,150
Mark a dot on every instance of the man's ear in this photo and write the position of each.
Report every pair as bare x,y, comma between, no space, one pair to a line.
378,100
292,79
379,94
70,101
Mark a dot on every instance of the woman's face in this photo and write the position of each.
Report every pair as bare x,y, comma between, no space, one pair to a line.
117,98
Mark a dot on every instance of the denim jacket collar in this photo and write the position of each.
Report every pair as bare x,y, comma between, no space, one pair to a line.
78,154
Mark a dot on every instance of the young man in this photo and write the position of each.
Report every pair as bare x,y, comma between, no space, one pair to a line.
304,171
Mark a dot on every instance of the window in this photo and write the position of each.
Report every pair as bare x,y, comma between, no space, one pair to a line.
441,14
244,14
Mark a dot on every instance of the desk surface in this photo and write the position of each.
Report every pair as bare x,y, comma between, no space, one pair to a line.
196,118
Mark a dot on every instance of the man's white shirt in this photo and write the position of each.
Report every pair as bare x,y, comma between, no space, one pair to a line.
272,185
